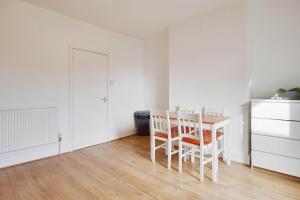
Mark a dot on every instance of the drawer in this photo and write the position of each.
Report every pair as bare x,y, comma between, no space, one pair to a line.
279,146
276,163
276,110
277,128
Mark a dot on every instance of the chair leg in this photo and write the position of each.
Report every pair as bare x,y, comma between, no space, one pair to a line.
201,165
153,149
180,158
217,162
169,153
173,145
222,147
193,155
166,150
185,154
219,143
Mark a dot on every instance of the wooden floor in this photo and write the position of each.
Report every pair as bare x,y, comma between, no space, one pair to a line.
122,170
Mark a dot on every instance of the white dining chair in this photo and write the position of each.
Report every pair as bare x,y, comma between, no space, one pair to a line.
197,141
162,130
189,109
217,111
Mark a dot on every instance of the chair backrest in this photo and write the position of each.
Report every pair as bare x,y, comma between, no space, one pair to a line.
218,111
190,125
160,122
187,109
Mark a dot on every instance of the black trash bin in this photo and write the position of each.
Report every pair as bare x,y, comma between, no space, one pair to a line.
141,120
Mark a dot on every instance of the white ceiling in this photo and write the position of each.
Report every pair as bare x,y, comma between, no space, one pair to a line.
138,18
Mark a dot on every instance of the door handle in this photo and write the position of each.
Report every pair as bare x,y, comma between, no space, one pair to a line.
104,99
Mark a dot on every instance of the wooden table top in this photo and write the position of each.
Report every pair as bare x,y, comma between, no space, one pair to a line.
207,119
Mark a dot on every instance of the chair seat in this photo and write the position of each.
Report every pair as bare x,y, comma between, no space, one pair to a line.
206,135
174,133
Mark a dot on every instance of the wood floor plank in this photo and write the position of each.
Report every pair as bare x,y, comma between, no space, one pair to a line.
122,170
6,191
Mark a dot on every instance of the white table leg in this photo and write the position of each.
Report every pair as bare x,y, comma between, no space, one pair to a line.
227,145
224,145
214,154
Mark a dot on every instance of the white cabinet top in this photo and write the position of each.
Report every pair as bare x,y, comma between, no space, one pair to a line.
275,101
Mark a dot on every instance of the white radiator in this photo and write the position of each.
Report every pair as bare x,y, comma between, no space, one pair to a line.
25,128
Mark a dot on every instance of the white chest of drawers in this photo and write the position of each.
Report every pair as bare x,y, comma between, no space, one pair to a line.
275,135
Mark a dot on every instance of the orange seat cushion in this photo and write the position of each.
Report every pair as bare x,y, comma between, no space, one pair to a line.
192,141
206,136
174,133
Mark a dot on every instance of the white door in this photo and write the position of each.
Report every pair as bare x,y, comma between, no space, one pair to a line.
88,98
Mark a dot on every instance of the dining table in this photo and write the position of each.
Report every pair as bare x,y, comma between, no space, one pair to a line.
213,123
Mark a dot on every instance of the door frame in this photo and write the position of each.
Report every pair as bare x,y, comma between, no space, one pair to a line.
71,102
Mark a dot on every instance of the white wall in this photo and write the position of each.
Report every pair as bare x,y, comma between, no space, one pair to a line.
208,66
207,57
34,69
275,46
156,71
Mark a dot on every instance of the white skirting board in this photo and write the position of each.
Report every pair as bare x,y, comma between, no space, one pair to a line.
240,157
27,155
39,152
